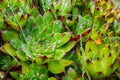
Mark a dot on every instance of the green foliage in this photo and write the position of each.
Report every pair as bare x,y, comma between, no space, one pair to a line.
4,62
59,39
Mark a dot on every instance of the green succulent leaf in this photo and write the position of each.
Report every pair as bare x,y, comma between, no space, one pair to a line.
35,68
21,55
43,70
90,46
34,12
66,62
43,77
57,26
68,46
26,49
72,73
40,21
9,49
84,22
25,67
3,4
16,43
13,63
67,78
14,74
61,39
2,26
59,54
48,17
52,78
55,66
38,61
9,35
92,7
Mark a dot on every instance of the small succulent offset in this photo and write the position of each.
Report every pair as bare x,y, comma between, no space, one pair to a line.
59,40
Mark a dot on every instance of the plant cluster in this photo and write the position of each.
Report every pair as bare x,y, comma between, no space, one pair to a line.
59,40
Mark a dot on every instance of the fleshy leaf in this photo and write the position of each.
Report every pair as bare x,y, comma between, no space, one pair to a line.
9,35
68,46
9,49
55,66
90,45
52,78
43,77
16,43
26,49
66,62
14,75
48,17
43,70
21,55
57,26
72,73
67,78
59,54
35,68
61,39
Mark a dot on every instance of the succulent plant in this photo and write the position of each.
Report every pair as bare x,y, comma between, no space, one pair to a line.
100,55
38,39
28,39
